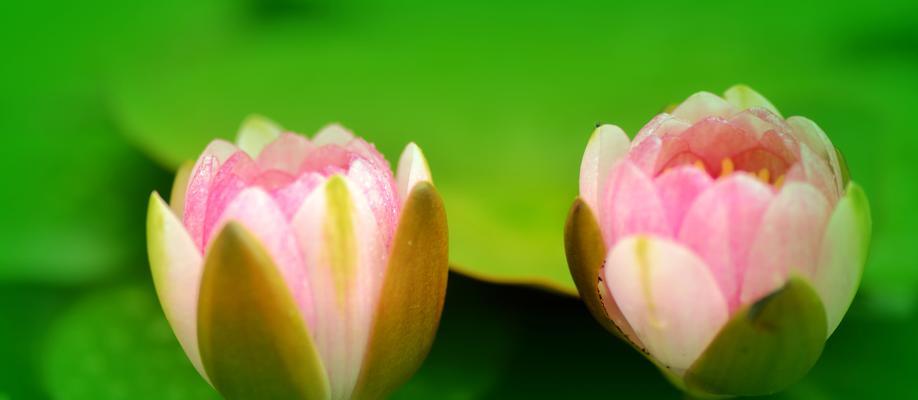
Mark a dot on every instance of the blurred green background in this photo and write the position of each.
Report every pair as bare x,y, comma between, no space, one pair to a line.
102,99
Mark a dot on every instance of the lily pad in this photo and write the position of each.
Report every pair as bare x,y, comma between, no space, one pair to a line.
116,344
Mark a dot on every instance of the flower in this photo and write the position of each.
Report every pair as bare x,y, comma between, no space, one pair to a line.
298,268
724,242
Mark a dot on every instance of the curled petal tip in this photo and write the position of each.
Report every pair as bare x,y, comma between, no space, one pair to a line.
412,168
743,97
608,144
333,133
255,133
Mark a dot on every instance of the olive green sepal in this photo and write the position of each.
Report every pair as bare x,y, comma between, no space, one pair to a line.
586,253
412,296
765,347
253,340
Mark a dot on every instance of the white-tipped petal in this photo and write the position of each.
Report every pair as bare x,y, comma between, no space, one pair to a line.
179,188
702,105
176,265
844,252
668,296
333,134
412,168
607,145
743,97
255,133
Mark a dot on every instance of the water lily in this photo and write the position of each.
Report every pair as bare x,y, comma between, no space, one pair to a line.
301,268
724,242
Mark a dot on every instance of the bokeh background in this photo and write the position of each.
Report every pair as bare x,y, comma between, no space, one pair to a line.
101,100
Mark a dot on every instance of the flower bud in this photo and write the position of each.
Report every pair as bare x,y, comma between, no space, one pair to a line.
724,242
301,268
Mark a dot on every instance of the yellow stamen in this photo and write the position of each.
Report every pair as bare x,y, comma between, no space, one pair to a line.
726,166
779,182
698,164
764,175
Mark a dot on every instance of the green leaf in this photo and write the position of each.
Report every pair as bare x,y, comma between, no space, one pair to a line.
765,347
412,296
253,340
114,343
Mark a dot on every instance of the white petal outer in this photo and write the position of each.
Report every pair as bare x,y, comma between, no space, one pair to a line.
345,262
255,133
607,145
702,105
844,252
788,240
176,266
333,134
668,296
179,188
807,132
743,97
412,168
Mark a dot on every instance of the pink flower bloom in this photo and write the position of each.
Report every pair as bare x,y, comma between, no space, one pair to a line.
711,208
335,227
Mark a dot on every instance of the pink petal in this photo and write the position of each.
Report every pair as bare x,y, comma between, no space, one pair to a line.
378,188
291,197
645,154
631,205
345,264
668,296
678,189
199,184
237,173
713,139
721,225
258,212
660,126
814,170
286,153
789,239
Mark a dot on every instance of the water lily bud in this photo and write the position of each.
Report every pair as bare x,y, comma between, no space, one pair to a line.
301,269
724,242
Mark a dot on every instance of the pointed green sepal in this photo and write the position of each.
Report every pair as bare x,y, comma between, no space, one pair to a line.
254,343
412,296
586,253
765,347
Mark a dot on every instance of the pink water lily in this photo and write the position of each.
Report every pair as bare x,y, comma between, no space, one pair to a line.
711,209
283,264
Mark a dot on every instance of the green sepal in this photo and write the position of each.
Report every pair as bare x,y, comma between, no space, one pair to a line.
412,296
254,343
586,253
765,347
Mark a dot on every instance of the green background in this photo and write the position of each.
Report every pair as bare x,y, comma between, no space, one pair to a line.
102,99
